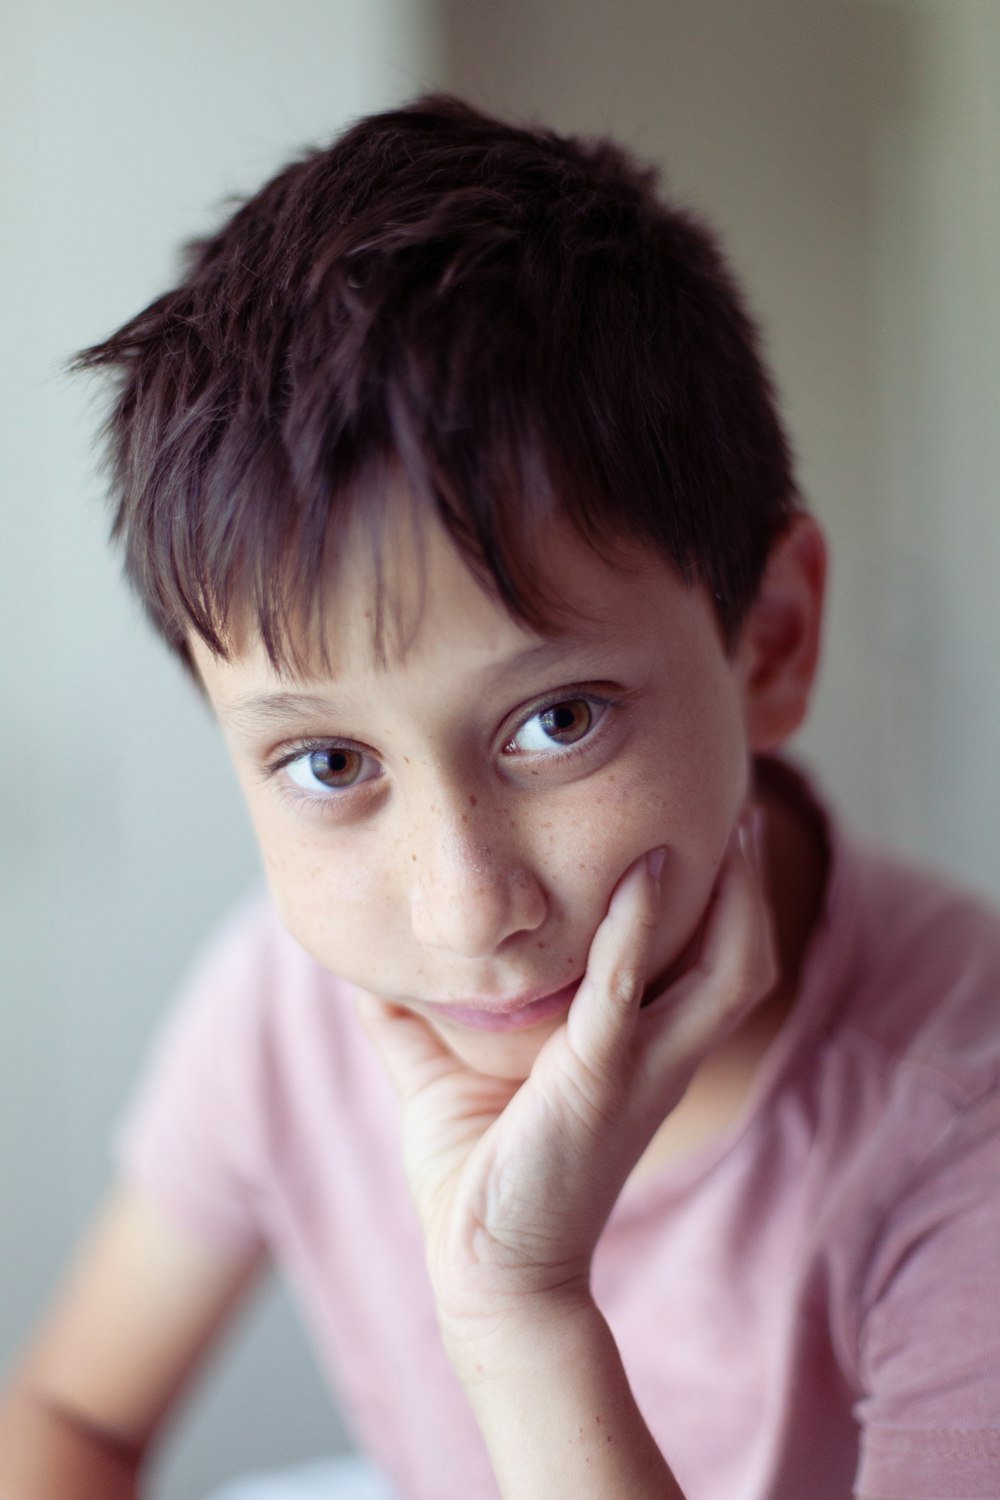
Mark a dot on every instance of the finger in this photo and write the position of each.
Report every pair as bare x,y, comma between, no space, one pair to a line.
602,1017
735,969
409,1048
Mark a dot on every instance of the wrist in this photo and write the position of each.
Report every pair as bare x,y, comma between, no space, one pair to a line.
495,1346
553,1403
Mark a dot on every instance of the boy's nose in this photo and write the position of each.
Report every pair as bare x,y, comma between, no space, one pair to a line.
470,894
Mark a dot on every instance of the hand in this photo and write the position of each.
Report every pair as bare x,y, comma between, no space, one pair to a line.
514,1182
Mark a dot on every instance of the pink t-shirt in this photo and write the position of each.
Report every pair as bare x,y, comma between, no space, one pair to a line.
811,1303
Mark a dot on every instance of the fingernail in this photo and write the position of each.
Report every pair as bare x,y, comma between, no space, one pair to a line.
654,863
751,836
757,829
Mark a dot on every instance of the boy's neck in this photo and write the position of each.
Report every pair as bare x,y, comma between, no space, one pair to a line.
796,863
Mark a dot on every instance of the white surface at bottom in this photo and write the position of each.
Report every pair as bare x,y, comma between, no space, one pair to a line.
347,1478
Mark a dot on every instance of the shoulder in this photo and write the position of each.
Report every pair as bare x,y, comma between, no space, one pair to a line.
899,1094
925,990
893,1055
903,1085
258,1046
250,971
250,943
251,1014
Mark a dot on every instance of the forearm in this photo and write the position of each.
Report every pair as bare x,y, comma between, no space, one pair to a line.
558,1415
44,1453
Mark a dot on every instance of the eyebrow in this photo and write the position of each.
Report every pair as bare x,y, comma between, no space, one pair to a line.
258,711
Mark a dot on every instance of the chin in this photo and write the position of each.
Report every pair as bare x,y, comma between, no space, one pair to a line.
505,1055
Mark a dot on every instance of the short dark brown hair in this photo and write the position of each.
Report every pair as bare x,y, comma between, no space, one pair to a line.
511,318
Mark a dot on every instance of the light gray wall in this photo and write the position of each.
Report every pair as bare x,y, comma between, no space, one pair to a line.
122,128
935,402
847,150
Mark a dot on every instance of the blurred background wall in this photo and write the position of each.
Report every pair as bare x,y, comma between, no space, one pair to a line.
848,150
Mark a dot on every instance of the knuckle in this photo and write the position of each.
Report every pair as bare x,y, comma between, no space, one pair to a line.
741,995
746,989
624,984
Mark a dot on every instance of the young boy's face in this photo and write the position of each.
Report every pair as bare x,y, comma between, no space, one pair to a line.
445,829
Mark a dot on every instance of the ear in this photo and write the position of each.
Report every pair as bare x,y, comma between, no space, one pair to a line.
778,648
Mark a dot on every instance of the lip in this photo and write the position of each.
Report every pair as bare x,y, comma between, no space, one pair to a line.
517,1014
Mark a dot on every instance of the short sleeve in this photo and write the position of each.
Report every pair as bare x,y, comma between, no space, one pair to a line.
189,1136
930,1338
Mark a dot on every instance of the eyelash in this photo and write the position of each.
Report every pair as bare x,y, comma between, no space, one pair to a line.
323,803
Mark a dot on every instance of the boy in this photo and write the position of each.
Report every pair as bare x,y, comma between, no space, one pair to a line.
623,1128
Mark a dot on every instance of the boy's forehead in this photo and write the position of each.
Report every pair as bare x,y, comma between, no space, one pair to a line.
410,563
420,600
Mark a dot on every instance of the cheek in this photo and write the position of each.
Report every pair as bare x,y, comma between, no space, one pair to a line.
689,807
688,803
329,898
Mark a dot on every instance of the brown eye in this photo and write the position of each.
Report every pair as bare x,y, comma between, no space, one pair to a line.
562,724
336,767
567,722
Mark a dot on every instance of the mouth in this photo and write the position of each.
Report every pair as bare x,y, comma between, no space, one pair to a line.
516,1014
